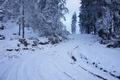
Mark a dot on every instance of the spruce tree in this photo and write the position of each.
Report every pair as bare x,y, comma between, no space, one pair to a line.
73,25
100,17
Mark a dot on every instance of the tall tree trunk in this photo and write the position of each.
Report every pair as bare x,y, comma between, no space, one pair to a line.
94,30
23,22
23,28
19,33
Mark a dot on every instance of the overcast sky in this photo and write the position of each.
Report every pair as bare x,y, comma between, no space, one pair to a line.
73,6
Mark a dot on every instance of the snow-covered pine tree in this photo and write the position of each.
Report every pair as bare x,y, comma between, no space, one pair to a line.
90,11
17,10
115,11
44,16
85,17
73,25
95,15
53,11
12,7
101,17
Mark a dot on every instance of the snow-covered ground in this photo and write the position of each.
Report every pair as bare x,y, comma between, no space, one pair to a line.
79,58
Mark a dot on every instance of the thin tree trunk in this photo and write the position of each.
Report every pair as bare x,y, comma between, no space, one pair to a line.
19,30
95,30
19,33
23,28
23,23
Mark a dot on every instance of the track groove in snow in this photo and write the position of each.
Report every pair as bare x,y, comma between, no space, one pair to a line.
88,61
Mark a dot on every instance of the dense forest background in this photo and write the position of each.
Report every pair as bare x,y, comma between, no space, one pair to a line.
101,17
97,17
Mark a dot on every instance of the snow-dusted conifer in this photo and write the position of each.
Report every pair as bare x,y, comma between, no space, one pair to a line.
73,25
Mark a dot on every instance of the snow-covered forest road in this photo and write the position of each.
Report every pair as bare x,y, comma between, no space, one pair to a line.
79,58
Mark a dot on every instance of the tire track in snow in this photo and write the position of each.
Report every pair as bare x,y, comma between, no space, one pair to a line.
69,76
93,73
34,68
5,69
85,58
64,72
59,68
